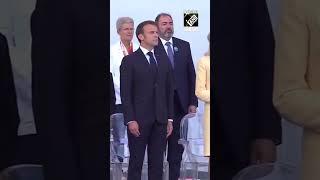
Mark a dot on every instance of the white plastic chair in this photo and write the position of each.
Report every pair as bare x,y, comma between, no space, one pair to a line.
268,171
191,137
116,172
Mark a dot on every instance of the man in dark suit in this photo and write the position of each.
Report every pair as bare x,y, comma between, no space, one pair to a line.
246,126
178,54
147,96
70,87
8,107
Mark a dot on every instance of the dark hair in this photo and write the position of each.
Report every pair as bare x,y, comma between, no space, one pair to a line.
160,15
140,27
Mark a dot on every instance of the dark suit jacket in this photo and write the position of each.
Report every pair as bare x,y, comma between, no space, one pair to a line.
8,107
70,87
112,96
243,60
143,99
184,73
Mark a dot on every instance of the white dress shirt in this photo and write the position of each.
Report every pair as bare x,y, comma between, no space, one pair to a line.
165,46
145,51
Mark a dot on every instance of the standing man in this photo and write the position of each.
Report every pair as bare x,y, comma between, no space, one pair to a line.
147,98
70,87
246,126
178,54
124,47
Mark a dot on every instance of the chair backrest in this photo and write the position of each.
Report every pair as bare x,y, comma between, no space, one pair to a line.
23,172
116,117
191,133
268,171
123,141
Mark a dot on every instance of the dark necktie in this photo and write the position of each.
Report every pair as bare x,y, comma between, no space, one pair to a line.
170,53
152,61
153,66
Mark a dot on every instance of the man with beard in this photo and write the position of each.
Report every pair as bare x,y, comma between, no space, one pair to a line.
178,53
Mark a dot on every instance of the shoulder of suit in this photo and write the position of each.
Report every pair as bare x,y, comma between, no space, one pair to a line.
180,40
133,55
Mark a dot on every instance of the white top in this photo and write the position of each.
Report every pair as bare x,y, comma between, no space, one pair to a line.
117,52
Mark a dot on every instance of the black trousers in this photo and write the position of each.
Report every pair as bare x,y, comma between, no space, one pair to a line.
152,135
175,150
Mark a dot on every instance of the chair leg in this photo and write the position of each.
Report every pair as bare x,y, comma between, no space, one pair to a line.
209,169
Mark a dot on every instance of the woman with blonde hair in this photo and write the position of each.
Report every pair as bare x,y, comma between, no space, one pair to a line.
202,91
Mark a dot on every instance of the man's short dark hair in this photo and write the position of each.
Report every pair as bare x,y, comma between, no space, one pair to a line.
140,27
160,15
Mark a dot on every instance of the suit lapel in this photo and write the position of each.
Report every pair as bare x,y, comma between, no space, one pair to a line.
142,57
176,51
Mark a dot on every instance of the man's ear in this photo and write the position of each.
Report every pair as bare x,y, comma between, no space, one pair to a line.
141,37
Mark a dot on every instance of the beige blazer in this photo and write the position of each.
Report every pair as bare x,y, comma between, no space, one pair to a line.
202,91
297,76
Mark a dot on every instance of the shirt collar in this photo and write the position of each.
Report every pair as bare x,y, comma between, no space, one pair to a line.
145,51
164,41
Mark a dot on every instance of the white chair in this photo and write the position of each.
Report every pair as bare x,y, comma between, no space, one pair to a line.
23,172
191,137
116,172
268,171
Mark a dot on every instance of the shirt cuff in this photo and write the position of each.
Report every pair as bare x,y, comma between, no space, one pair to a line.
170,120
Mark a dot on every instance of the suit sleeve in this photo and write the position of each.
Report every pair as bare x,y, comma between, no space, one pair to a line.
201,92
293,97
112,95
126,84
170,92
192,78
267,120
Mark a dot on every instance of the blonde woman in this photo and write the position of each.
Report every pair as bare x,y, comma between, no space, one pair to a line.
202,91
297,77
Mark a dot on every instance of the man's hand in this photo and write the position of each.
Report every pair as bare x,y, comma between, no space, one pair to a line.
263,151
192,109
169,128
134,128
